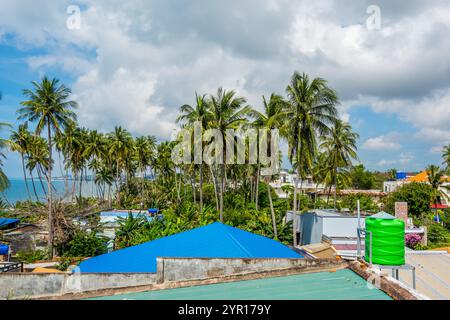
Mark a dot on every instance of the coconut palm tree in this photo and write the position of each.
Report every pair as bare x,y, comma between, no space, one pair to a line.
49,105
227,111
19,142
144,155
4,182
310,110
435,177
340,147
446,157
119,146
37,159
189,116
269,119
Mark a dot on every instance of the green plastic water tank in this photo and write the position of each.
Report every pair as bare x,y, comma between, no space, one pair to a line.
388,240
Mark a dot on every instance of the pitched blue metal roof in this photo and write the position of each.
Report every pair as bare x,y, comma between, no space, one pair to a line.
6,222
216,240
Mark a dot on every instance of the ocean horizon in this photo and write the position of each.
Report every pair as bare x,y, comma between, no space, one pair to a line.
17,190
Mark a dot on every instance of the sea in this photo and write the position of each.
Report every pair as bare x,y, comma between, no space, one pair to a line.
18,190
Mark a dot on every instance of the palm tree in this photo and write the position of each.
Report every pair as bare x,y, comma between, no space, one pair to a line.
269,119
311,108
50,107
37,159
226,112
435,178
190,115
19,142
446,157
4,182
392,174
340,147
120,144
144,156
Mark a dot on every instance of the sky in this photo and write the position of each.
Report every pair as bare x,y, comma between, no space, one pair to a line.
134,63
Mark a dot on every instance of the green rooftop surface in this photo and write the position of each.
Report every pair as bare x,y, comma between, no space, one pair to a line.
340,285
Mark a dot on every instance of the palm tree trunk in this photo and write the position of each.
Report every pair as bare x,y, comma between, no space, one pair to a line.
34,186
335,189
294,215
50,213
40,180
201,187
257,186
214,180
275,231
25,175
222,187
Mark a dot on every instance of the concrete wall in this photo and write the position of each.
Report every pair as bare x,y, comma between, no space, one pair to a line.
179,269
170,272
36,285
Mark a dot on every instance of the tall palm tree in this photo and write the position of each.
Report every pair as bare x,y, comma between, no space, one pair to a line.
190,115
4,182
269,119
311,109
227,111
144,155
120,145
37,159
446,157
340,147
49,105
19,141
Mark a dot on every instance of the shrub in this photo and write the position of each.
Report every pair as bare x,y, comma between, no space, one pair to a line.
85,244
417,195
31,256
437,234
412,239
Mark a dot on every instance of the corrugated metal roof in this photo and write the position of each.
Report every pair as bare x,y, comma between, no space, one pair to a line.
432,273
339,285
216,240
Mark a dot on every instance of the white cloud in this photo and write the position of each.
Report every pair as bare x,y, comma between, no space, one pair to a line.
137,62
381,143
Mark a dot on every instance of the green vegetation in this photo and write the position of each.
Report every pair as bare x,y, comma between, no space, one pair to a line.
138,172
417,195
31,256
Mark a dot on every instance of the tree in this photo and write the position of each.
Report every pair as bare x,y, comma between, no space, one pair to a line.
340,146
269,119
19,141
50,107
119,146
361,179
310,110
435,178
199,113
418,196
4,182
446,157
226,112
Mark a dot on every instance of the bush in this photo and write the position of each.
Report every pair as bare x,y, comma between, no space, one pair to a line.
417,195
85,244
350,202
31,256
438,235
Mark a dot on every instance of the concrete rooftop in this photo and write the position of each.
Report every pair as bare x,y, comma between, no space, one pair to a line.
340,285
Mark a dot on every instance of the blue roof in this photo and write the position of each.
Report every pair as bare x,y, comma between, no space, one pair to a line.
5,222
216,240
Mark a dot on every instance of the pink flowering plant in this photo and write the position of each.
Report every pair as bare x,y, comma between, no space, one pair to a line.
412,239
